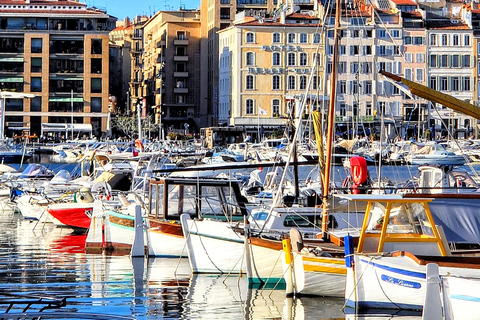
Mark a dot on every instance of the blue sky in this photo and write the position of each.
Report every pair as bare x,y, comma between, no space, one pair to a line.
131,8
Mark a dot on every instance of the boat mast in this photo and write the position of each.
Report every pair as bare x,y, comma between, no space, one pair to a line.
330,122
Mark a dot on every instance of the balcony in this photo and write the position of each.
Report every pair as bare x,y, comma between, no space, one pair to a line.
180,58
180,74
180,42
180,90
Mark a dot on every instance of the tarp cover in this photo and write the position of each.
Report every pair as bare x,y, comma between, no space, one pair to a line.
459,218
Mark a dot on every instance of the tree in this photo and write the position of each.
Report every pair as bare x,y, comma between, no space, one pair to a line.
129,125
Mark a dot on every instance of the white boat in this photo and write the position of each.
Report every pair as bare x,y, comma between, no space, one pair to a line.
434,153
397,241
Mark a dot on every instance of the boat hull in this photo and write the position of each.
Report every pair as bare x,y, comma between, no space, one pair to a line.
73,215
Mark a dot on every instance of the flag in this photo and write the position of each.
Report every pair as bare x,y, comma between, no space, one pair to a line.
262,112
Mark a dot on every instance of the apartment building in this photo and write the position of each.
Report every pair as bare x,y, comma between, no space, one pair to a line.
266,68
451,66
57,50
172,61
217,15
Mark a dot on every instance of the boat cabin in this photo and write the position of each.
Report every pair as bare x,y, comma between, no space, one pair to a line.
440,179
199,197
394,223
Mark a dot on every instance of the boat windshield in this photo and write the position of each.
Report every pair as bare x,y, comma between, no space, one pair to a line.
404,217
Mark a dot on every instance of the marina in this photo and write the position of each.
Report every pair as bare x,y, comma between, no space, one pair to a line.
123,271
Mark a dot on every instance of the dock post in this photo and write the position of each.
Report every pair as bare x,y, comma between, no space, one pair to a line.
432,307
138,246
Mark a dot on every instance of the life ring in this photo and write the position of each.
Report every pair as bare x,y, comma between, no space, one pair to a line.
358,170
139,144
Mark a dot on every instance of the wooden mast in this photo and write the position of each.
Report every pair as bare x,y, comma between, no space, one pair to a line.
331,121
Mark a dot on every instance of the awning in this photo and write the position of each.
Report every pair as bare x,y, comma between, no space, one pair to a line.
60,77
12,79
64,99
11,59
53,127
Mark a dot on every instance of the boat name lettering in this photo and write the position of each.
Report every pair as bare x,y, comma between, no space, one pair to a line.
400,282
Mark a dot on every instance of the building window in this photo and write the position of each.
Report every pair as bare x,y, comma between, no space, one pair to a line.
433,83
36,65
354,50
96,65
455,61
342,87
276,59
455,40
303,38
249,82
96,103
96,85
36,84
314,83
276,107
249,106
249,59
444,61
368,109
367,50
382,33
408,74
343,109
291,59
420,57
466,40
433,39
444,40
291,38
37,44
302,82
276,82
96,46
433,61
342,67
443,83
466,84
250,37
353,67
181,35
367,87
419,75
36,104
355,33
466,61
368,33
276,37
316,38
407,40
291,82
303,58
455,83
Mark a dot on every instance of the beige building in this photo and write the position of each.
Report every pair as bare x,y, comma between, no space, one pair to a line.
171,70
57,50
266,68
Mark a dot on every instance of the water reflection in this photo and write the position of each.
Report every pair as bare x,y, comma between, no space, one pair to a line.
44,260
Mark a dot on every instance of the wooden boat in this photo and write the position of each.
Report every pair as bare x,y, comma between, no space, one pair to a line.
398,239
169,197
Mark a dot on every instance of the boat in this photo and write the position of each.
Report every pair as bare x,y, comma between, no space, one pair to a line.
169,197
398,239
434,153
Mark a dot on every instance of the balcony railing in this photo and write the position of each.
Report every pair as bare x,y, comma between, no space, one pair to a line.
180,42
180,74
180,58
